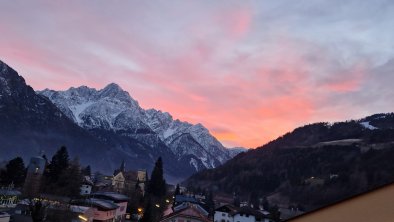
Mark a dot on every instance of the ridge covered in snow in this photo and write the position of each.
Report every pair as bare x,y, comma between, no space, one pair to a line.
113,109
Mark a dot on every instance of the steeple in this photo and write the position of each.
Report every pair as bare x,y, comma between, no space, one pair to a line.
122,167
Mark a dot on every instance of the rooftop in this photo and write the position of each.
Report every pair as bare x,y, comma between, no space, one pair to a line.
6,192
183,198
98,203
117,197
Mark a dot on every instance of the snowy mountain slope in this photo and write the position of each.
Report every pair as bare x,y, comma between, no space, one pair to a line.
113,109
30,123
236,150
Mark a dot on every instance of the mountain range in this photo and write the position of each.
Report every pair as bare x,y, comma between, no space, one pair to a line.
310,167
101,127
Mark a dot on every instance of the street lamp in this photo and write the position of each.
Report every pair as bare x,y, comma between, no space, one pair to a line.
82,218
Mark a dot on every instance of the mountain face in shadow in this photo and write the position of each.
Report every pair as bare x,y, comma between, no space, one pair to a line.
312,166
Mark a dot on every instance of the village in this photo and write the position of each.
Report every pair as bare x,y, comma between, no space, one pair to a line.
126,195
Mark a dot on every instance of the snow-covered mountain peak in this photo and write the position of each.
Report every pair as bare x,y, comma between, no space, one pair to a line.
112,108
93,108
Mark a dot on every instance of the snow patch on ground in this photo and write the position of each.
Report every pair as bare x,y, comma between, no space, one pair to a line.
368,126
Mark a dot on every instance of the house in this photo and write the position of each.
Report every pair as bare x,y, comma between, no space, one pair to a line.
248,214
118,182
142,178
123,180
103,183
131,180
86,187
230,213
8,197
118,199
221,200
179,199
94,209
185,205
189,214
224,213
375,205
34,174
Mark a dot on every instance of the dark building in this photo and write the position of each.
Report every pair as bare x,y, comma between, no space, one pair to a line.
35,171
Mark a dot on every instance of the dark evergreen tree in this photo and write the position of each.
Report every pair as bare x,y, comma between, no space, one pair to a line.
210,203
15,172
177,190
266,204
157,184
148,214
59,163
70,181
86,171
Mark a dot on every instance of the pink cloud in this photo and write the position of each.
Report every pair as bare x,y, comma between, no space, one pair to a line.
214,66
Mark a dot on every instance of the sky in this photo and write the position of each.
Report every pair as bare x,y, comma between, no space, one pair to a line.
249,71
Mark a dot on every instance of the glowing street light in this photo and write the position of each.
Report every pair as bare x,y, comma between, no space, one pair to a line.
157,205
82,218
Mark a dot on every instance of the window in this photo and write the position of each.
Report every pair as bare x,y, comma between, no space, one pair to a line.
223,214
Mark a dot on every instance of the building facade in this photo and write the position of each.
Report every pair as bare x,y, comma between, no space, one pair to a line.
35,170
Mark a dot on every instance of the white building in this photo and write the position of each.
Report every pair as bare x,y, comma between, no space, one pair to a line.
86,187
229,213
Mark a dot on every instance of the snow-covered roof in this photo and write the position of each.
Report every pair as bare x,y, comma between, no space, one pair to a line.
98,203
117,197
6,192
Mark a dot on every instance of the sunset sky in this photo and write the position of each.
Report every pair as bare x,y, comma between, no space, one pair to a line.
249,71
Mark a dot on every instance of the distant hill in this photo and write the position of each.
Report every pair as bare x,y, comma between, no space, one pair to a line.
312,166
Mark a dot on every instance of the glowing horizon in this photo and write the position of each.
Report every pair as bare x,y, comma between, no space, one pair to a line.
248,71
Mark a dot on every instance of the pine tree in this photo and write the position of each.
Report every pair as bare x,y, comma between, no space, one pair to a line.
59,163
177,190
70,181
148,216
86,171
157,184
210,202
15,172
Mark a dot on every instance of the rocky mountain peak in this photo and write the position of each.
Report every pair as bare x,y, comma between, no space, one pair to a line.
3,67
112,108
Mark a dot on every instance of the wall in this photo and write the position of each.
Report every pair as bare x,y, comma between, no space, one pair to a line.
219,216
374,206
104,215
244,218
